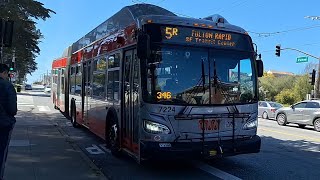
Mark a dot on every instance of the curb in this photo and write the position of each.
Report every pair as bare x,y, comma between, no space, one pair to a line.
82,154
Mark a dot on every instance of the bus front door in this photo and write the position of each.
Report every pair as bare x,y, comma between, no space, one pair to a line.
130,103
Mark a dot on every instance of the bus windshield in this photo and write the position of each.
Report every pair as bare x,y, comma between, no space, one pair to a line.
198,76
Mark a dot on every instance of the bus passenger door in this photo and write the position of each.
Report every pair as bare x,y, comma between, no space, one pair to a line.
86,91
130,128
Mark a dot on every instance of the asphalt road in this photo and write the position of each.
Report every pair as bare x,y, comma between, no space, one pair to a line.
287,152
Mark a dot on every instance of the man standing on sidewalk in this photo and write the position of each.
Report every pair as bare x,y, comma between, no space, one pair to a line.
8,109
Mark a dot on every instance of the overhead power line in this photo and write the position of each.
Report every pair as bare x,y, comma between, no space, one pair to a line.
267,34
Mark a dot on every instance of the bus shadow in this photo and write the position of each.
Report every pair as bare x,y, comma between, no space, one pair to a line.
297,127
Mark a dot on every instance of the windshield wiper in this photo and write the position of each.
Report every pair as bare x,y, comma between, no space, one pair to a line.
203,75
217,85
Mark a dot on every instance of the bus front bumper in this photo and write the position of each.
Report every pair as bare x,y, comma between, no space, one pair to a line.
207,150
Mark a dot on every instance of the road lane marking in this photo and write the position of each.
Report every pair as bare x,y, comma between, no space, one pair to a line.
94,149
216,172
289,134
103,146
25,105
43,108
20,143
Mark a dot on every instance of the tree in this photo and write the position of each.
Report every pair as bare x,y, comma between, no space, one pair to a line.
286,97
274,85
26,36
302,87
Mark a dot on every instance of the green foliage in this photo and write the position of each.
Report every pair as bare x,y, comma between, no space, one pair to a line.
302,87
26,36
285,90
274,85
286,97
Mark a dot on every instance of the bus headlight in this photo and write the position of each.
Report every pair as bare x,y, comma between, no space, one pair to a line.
155,128
253,123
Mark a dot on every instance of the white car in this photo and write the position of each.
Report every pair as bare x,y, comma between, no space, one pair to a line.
47,89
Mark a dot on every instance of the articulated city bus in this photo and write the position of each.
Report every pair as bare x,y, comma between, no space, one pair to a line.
155,85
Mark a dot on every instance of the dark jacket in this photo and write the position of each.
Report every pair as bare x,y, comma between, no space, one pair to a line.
8,104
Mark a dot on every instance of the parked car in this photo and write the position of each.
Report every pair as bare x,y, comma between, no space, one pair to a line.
302,113
28,87
267,109
47,89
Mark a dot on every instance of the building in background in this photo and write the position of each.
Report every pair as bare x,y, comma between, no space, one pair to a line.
279,73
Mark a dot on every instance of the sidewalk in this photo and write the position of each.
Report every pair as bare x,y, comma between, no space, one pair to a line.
39,149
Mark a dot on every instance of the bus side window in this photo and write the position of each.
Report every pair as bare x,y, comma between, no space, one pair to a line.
113,77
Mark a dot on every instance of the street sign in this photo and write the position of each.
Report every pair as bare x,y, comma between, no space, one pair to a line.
302,59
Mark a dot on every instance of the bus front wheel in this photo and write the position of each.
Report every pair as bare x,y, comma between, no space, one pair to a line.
113,138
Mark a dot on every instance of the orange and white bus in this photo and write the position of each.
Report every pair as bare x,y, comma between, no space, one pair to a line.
154,85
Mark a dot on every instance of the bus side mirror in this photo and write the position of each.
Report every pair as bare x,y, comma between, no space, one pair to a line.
143,46
260,68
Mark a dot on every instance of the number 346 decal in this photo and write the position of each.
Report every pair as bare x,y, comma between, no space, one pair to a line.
163,95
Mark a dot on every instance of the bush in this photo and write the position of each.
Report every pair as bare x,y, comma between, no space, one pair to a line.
286,96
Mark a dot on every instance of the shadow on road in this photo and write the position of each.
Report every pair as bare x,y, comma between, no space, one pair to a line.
40,150
278,159
297,127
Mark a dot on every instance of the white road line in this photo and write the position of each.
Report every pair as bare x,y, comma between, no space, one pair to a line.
103,146
216,172
20,143
68,124
43,108
26,105
21,103
94,150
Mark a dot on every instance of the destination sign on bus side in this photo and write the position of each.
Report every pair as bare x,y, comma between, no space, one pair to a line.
197,36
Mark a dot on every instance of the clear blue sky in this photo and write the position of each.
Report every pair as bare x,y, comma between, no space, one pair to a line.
75,18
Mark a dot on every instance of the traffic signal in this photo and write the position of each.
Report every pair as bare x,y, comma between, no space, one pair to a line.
278,50
312,77
11,66
8,33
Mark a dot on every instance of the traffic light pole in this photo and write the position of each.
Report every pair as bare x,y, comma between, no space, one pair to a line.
302,52
317,84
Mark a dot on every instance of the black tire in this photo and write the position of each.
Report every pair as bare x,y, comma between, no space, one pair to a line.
265,115
282,119
316,124
74,117
301,125
112,138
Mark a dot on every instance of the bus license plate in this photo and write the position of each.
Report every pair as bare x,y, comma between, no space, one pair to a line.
209,124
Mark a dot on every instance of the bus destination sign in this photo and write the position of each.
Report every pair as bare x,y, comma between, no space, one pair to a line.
197,36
